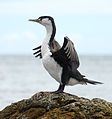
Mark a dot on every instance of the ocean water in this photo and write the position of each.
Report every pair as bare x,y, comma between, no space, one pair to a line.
23,76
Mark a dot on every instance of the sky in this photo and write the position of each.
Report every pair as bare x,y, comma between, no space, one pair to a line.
88,23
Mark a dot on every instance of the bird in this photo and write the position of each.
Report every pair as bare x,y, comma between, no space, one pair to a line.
60,62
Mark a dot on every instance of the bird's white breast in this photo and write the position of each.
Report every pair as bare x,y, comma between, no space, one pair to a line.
52,67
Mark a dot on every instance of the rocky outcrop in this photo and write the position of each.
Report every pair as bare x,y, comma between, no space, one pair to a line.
46,105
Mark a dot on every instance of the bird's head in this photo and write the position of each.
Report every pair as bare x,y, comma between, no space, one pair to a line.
44,20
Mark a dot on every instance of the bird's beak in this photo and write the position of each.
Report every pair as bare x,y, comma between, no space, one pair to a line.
35,20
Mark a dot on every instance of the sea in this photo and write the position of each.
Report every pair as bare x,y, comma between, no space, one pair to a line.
22,76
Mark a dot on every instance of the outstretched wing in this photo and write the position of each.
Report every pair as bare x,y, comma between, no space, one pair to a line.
67,55
71,53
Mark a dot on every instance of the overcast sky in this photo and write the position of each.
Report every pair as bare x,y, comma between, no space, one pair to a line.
88,23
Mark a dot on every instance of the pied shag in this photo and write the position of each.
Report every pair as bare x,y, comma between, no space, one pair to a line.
60,62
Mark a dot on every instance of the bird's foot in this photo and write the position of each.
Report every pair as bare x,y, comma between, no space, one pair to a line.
57,91
60,89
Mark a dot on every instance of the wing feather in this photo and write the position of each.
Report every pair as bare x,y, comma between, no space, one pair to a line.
71,53
38,52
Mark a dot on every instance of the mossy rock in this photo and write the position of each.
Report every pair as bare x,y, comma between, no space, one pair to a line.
46,105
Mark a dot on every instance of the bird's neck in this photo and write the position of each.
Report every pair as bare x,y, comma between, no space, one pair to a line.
51,31
50,34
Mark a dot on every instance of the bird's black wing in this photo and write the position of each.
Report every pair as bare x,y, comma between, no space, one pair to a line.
38,52
67,55
70,52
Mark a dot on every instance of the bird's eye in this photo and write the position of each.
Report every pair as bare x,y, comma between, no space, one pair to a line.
39,19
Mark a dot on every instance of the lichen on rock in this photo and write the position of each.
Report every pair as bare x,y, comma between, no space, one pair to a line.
46,105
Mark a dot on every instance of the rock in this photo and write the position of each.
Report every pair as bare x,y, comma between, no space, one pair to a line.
46,105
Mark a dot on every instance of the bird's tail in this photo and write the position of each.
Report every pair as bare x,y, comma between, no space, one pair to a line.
92,82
